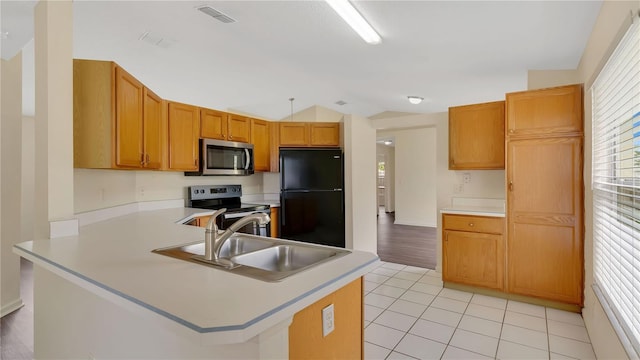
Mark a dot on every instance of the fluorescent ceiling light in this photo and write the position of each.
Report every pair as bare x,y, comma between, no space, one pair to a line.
355,20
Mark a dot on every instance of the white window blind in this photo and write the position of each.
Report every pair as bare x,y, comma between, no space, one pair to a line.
616,184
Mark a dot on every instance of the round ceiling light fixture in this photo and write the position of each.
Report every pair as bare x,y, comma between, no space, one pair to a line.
415,100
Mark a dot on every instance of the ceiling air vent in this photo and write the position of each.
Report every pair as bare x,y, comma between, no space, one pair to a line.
216,14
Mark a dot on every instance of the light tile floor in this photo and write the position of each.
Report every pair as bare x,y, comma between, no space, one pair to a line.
409,315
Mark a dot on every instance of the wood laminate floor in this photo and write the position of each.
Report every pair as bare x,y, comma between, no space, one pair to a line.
16,329
405,244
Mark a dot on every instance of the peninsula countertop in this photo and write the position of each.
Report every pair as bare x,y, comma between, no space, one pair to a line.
113,258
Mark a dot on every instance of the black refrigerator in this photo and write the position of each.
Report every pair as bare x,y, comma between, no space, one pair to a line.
311,196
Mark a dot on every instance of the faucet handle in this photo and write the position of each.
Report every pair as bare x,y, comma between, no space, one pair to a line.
211,225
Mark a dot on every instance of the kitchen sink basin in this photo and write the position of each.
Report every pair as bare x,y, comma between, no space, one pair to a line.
281,258
236,245
262,258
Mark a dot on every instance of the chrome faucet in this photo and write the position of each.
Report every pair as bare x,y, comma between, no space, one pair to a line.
213,240
211,245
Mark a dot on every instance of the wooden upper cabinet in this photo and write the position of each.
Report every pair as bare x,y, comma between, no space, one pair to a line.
294,133
184,131
306,134
117,122
238,128
154,124
324,134
261,145
545,112
476,136
213,124
129,120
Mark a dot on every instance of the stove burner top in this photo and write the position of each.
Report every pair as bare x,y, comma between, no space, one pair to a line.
215,197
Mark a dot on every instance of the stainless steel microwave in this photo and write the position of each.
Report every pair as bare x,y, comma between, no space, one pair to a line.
218,157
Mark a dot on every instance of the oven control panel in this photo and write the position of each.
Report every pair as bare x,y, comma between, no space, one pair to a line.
204,192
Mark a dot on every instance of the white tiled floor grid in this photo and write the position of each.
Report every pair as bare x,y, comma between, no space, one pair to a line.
409,315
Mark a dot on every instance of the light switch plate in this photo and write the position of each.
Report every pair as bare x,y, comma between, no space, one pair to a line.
328,323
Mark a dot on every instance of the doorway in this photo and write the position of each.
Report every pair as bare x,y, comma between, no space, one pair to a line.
409,235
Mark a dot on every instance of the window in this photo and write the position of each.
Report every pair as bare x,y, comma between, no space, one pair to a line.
616,185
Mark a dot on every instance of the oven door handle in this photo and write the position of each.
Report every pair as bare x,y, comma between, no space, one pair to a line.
242,214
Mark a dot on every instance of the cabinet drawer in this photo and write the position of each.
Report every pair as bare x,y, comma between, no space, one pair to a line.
482,224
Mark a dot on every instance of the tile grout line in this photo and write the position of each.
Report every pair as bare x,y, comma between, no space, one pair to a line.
439,294
414,323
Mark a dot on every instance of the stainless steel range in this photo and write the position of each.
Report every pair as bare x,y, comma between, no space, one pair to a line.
214,197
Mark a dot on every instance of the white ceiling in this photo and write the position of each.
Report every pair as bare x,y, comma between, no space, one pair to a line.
449,52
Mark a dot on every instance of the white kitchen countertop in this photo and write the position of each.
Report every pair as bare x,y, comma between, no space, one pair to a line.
272,200
113,258
476,206
474,210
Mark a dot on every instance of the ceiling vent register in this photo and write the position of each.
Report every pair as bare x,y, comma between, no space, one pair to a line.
216,14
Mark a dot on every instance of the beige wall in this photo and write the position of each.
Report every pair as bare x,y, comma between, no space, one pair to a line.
415,185
538,79
27,204
613,15
54,113
360,184
98,189
315,113
10,161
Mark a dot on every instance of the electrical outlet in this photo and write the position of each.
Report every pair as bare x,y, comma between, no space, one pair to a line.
458,188
466,178
328,323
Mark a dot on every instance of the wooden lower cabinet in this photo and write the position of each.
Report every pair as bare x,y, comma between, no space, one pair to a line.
473,251
545,212
347,339
200,221
275,220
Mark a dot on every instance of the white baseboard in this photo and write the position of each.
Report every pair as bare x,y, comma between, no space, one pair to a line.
11,307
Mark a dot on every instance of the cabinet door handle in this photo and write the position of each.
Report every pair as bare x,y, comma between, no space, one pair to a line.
142,159
195,162
471,224
510,185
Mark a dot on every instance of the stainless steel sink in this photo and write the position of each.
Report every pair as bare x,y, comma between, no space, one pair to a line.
281,258
267,259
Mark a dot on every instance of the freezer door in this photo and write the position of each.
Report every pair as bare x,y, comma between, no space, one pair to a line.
315,217
311,169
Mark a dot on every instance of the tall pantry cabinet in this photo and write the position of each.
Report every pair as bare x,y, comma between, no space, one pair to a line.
545,193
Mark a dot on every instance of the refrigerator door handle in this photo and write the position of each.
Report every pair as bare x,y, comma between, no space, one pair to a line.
338,189
282,214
